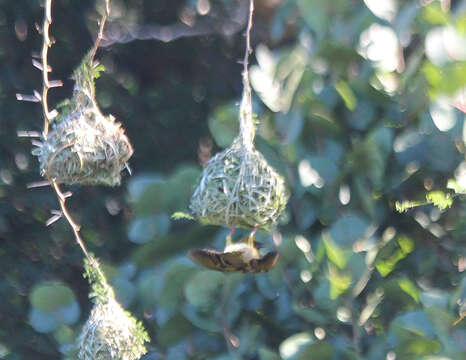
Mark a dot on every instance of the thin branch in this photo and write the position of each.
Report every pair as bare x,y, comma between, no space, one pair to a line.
45,76
248,41
48,116
74,226
247,128
100,35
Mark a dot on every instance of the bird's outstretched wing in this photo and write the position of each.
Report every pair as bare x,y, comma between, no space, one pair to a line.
233,261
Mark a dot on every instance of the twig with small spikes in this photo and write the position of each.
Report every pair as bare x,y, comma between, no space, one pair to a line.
46,43
100,35
49,115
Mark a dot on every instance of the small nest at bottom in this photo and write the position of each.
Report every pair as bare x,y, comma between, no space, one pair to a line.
85,147
110,334
238,188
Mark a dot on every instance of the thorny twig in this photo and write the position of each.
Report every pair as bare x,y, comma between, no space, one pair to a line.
45,74
48,116
100,35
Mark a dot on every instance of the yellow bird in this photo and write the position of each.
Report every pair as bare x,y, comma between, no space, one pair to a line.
242,256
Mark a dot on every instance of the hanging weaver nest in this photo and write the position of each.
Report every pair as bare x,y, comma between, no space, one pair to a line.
84,146
238,188
110,333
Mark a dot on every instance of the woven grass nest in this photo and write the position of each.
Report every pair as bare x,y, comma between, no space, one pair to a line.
84,146
109,334
238,188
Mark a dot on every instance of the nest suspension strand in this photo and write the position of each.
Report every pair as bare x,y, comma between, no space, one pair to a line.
84,146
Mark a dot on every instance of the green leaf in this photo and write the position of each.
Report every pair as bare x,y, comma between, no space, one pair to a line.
444,80
312,315
224,124
408,287
174,330
175,277
292,345
49,297
178,215
440,199
453,185
348,229
434,14
414,322
320,350
346,94
392,253
339,281
146,228
64,335
266,354
404,206
203,289
336,255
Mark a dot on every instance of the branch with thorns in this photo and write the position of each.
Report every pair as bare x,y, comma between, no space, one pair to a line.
50,115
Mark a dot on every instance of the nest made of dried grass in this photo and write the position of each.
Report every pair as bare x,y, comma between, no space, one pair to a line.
84,146
109,334
238,188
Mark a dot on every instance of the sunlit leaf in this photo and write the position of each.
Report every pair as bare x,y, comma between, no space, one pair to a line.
292,345
346,94
339,281
440,199
178,215
434,14
392,253
336,254
408,287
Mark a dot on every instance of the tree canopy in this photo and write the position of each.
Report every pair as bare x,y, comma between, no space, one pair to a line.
359,105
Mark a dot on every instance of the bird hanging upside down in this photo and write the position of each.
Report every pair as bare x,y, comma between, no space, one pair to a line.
242,256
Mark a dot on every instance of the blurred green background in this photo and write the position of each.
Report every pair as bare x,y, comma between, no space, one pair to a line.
361,107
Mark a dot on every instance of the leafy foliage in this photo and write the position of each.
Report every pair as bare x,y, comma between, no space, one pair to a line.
360,109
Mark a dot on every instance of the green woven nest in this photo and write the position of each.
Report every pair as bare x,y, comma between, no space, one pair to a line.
84,146
238,188
110,333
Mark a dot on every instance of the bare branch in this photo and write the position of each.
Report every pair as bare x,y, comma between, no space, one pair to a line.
38,65
55,83
24,97
26,133
45,77
49,115
38,184
100,35
74,226
53,219
248,40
